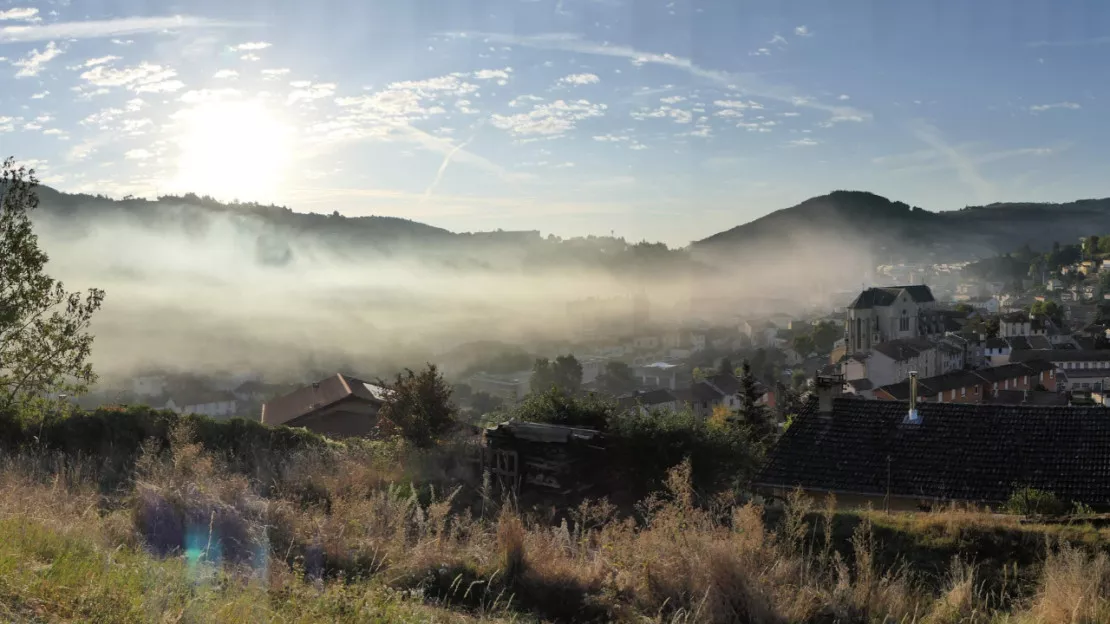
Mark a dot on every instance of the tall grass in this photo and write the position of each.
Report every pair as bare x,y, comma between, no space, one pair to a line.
346,535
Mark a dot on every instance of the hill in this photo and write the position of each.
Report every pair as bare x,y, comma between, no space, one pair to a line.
878,224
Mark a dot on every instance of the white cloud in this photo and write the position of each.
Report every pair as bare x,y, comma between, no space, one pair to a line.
102,28
135,104
806,142
803,31
199,96
748,83
137,154
738,104
251,57
580,79
35,61
250,46
679,115
274,74
524,100
500,75
142,78
310,92
464,107
674,99
843,98
554,119
53,132
613,138
1040,108
7,124
40,95
777,40
26,14
760,52
102,60
226,73
790,114
123,42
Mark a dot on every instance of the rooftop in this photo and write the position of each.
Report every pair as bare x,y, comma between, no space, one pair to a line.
324,393
884,296
963,452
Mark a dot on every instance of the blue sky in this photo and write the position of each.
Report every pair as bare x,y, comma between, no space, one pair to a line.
657,119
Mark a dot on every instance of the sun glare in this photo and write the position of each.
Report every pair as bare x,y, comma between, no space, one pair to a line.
233,150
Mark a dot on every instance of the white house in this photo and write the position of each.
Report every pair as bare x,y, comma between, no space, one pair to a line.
997,350
892,361
218,405
884,314
659,375
1016,324
592,367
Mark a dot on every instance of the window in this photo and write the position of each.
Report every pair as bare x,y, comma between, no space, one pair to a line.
963,392
904,325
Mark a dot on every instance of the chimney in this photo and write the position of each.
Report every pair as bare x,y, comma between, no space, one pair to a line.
829,387
911,416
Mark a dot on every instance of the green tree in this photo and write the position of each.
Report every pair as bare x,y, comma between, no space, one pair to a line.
964,308
418,406
1091,245
825,335
803,344
564,373
558,407
799,379
1048,309
616,379
751,412
44,339
1104,244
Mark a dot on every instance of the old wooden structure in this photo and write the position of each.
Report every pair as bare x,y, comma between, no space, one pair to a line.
551,461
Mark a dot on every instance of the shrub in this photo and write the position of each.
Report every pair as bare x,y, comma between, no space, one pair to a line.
1033,502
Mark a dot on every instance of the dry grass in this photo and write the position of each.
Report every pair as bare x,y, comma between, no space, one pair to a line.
335,538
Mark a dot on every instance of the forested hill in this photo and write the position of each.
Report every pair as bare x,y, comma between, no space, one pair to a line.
878,224
282,236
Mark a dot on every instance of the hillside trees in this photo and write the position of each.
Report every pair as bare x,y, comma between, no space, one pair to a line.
564,373
44,339
616,379
419,406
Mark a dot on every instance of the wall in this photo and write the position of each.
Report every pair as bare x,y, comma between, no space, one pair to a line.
350,418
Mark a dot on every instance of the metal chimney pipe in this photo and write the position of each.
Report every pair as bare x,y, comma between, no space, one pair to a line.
912,415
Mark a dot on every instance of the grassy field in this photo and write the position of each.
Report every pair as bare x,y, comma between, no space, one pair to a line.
343,534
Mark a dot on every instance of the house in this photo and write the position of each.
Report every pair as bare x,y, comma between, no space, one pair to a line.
216,404
760,333
339,406
647,401
1068,361
978,386
701,398
592,367
862,388
902,456
659,375
883,314
510,387
892,361
1054,284
997,351
1015,324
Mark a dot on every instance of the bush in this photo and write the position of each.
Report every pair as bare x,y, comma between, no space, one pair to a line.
1033,502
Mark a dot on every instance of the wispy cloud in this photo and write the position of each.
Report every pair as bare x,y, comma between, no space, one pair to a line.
803,31
25,14
103,28
580,79
443,167
226,74
965,167
250,46
749,83
36,60
1040,108
1071,43
806,142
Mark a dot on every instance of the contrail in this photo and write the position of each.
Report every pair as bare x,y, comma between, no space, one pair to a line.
443,167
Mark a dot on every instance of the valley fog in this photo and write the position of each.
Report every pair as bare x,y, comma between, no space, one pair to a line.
196,290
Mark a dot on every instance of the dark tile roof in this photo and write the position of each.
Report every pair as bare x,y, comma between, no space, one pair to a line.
885,296
699,392
952,381
317,396
1063,355
955,451
997,343
1021,397
903,348
727,384
1039,342
1015,317
997,374
647,398
901,390
1039,365
1019,342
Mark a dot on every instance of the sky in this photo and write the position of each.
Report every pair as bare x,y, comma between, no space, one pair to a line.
660,120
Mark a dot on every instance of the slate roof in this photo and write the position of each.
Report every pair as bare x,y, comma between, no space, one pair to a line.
963,452
930,386
647,398
727,384
1021,397
319,395
699,392
1063,355
997,343
1019,342
1040,342
1015,317
882,297
903,348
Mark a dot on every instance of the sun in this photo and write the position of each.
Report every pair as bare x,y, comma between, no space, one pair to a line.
233,150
